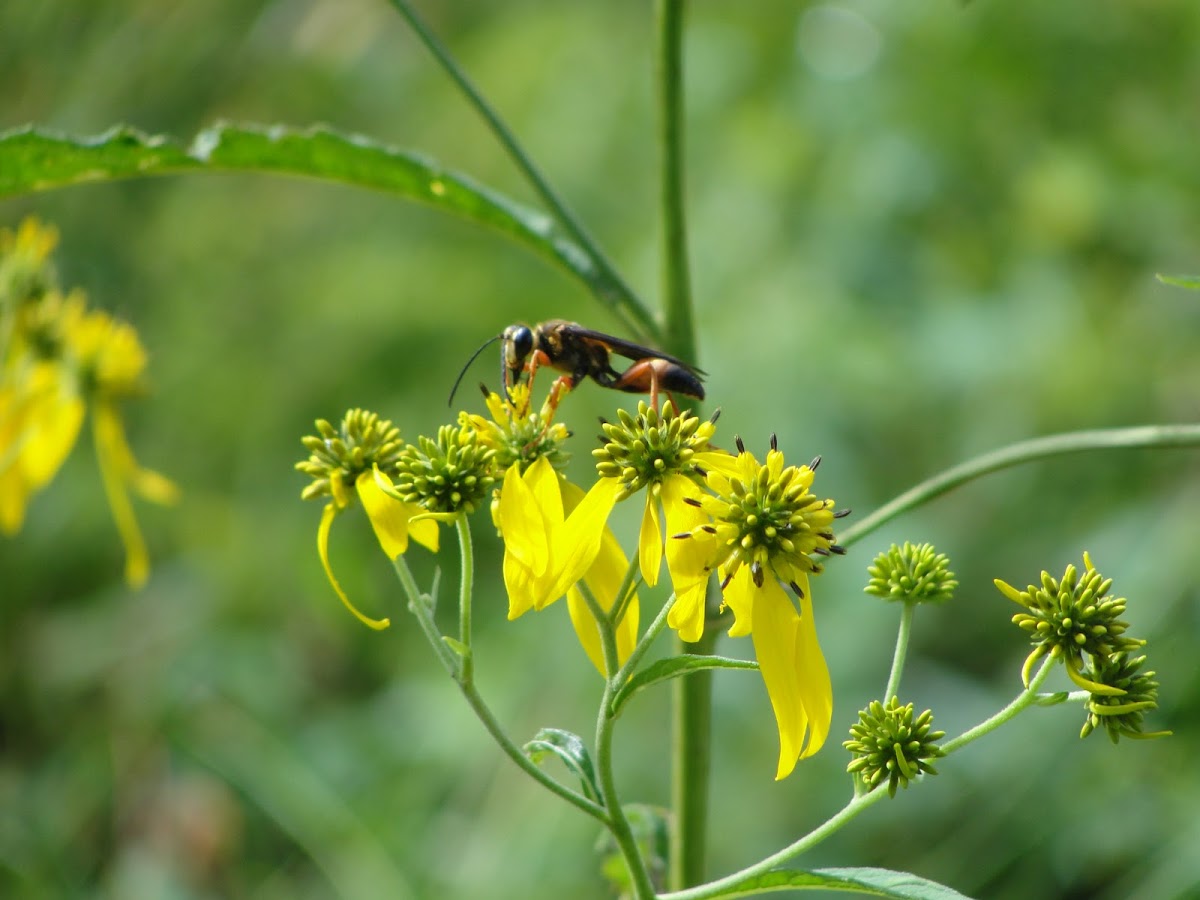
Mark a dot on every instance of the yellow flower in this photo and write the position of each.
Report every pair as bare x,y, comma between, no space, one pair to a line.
554,537
361,453
766,523
667,453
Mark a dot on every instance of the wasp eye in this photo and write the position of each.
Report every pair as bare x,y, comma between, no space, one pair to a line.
519,341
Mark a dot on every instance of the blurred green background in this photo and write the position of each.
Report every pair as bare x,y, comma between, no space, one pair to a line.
920,231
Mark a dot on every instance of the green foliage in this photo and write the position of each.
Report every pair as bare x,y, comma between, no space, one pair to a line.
950,250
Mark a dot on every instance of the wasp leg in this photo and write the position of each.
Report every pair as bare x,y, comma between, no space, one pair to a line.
536,360
563,384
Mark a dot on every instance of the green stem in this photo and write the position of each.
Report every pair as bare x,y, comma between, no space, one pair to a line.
618,824
624,593
644,643
421,609
902,638
466,590
1148,436
1023,700
680,331
618,295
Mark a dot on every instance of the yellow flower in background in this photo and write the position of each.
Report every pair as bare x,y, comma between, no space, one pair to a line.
555,536
362,453
57,360
766,524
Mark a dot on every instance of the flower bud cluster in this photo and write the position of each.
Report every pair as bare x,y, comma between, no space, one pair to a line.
890,745
645,449
914,573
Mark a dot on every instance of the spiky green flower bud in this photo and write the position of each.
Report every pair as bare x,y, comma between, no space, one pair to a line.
1122,714
1073,619
652,446
450,475
890,745
337,456
914,573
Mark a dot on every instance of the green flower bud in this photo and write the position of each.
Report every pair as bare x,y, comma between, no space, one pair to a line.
914,573
888,744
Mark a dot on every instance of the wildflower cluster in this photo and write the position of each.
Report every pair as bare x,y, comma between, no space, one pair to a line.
758,526
59,361
1074,619
914,573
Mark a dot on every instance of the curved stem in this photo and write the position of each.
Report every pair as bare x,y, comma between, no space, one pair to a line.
1158,436
1022,701
421,609
644,643
619,296
902,638
680,336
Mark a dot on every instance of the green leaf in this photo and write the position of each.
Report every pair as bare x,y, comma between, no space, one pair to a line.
1191,282
673,667
869,881
571,750
32,160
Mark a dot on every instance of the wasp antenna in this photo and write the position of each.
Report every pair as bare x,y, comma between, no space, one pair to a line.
474,356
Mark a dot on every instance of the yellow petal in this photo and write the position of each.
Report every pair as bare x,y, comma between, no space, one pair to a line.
575,545
604,580
775,648
688,559
327,516
815,684
586,628
741,601
112,454
51,431
650,540
687,615
522,524
388,516
521,583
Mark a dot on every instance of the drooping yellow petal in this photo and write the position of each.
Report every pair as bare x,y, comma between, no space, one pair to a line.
522,523
51,425
387,515
574,546
687,615
775,649
815,684
688,559
327,517
650,540
586,629
111,455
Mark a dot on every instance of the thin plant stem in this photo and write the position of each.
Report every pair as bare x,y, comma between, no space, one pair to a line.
624,593
423,613
1025,699
618,824
727,886
644,643
620,297
902,638
1146,436
466,590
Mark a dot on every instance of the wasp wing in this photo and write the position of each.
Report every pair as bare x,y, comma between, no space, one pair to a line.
625,348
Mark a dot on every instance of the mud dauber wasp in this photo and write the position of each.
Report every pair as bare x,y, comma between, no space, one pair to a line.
582,353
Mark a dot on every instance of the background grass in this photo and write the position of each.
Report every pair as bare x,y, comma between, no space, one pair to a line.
920,231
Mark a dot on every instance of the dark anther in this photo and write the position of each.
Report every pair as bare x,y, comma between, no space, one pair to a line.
821,550
703,473
725,583
692,501
816,462
680,537
603,421
737,442
841,513
756,572
838,549
716,415
708,529
828,535
774,441
483,389
796,588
